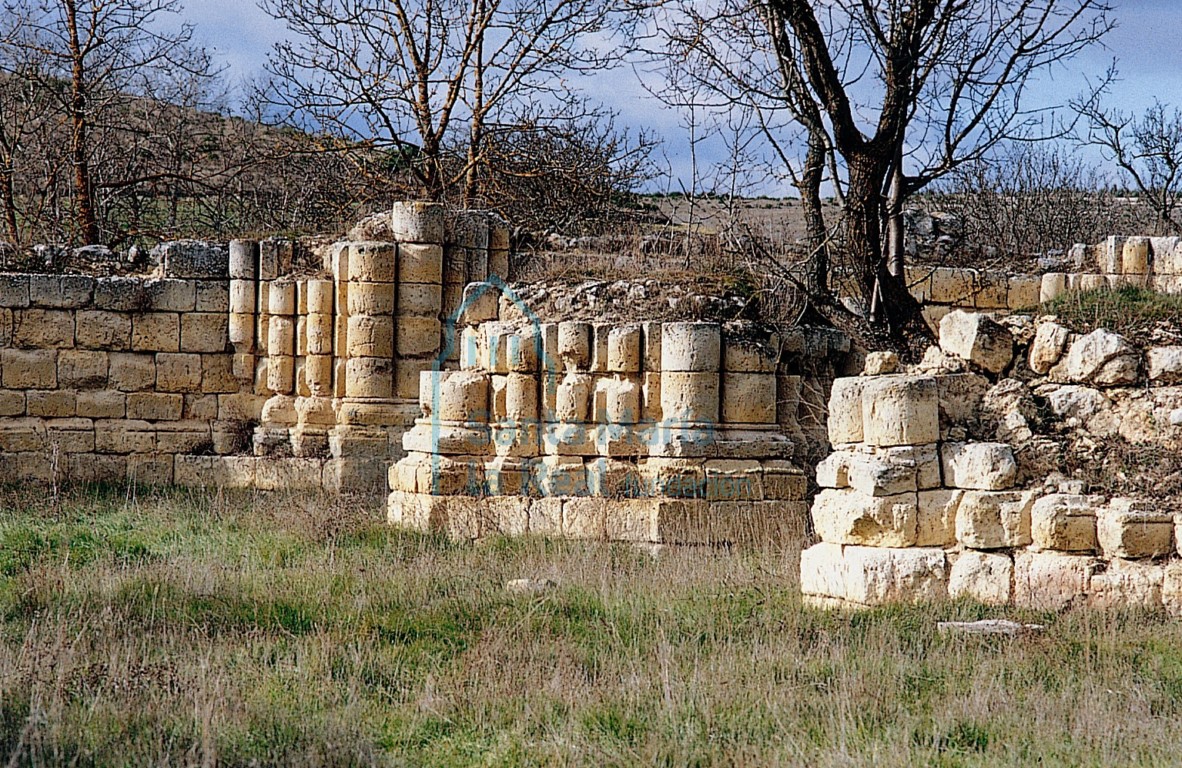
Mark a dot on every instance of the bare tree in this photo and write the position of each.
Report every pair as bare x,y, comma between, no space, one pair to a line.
104,50
426,78
890,95
1147,149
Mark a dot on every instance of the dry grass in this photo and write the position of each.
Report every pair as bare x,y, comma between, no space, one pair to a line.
177,628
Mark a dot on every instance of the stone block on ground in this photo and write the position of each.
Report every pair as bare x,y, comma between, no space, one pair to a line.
982,576
849,517
979,466
1064,523
1051,581
1134,529
900,410
994,519
978,339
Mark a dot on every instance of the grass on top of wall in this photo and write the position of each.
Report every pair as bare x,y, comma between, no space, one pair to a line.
184,628
1124,310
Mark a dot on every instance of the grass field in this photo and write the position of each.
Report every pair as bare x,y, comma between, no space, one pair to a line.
174,628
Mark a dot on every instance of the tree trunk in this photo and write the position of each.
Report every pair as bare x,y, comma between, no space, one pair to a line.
8,195
79,139
896,236
814,218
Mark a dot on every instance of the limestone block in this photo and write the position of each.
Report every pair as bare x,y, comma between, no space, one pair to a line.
240,331
281,297
749,398
880,364
875,476
480,303
406,376
60,291
599,344
200,407
370,336
925,459
103,330
373,262
214,471
561,475
900,410
783,480
978,339
1047,348
1088,282
417,336
1101,357
499,263
651,332
570,439
245,406
1054,285
610,478
1134,529
22,436
979,466
154,406
176,372
834,470
1172,587
369,377
1165,364
183,436
574,345
610,519
420,299
936,517
1064,523
743,355
845,411
29,369
1135,256
849,517
981,576
524,354
78,369
370,298
690,397
1051,581
14,291
823,572
650,394
1024,292
733,480
53,404
194,259
455,265
573,398
1171,285
994,519
318,330
12,402
884,576
497,341
243,297
624,349
454,396
244,260
43,329
281,336
677,478
170,295
1126,584
520,398
420,263
156,332
622,401
418,222
131,372
691,347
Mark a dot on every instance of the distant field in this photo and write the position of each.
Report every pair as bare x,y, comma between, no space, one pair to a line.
178,628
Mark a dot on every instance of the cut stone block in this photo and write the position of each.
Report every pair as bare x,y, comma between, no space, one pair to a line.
1134,529
864,576
924,459
690,398
845,411
749,398
849,517
1102,358
986,578
418,222
624,349
900,410
979,466
978,339
456,396
574,345
994,519
691,347
1064,523
1051,581
873,476
1047,348
1127,584
936,517
1165,364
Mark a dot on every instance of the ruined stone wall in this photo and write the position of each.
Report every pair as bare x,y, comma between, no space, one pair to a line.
652,432
1147,262
954,484
233,366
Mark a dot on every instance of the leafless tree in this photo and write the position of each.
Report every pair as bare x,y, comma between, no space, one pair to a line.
890,95
1147,149
424,78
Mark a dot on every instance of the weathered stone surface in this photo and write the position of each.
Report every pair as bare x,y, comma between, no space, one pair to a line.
1165,364
691,347
880,364
977,338
1047,347
981,576
1076,402
862,576
936,519
1064,523
849,517
834,470
418,222
845,411
874,476
900,410
1134,529
979,466
1127,584
1102,358
994,519
194,259
1051,581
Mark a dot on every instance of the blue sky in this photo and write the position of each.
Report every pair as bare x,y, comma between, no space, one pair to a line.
1145,45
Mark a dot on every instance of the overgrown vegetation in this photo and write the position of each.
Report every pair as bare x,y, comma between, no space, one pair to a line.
175,627
1128,310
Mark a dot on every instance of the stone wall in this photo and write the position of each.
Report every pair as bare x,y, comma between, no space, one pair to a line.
1148,262
664,433
232,366
947,485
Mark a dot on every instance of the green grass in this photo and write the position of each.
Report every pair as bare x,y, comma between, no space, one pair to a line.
1124,310
177,628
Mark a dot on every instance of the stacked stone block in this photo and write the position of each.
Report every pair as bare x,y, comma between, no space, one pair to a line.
612,432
